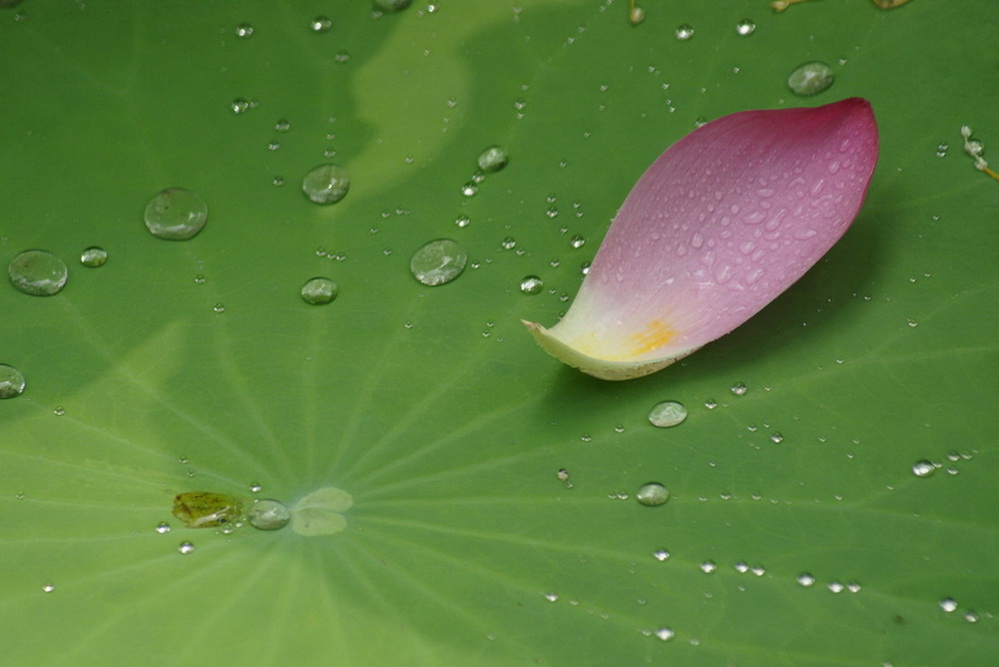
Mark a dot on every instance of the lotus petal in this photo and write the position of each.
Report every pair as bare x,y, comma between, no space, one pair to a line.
724,221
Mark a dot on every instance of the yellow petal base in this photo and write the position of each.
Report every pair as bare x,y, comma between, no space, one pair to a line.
600,368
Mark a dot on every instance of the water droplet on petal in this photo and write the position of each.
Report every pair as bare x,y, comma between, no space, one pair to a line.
493,158
268,514
176,214
320,24
38,272
48,588
684,32
667,414
923,468
664,634
186,548
162,528
244,30
652,494
948,605
93,256
811,78
805,579
739,389
326,184
438,262
745,27
531,285
11,382
708,566
319,291
660,555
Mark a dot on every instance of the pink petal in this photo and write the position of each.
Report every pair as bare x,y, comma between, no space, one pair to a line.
724,221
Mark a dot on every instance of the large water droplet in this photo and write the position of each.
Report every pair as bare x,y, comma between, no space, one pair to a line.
326,184
667,414
176,214
268,514
923,468
319,291
11,382
93,256
493,158
811,78
38,272
531,285
652,494
438,262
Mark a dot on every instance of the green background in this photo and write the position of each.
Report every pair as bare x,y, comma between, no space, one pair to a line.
433,407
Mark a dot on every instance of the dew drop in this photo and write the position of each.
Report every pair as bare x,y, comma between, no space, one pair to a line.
942,148
711,404
326,184
93,256
319,291
667,414
971,616
493,159
661,555
268,514
923,468
12,382
652,494
741,567
200,279
469,189
684,32
664,634
240,106
739,389
776,437
805,579
531,285
810,78
508,243
463,221
219,307
438,262
745,27
59,411
708,566
636,15
836,587
320,24
577,241
186,548
948,605
48,588
244,30
176,214
38,272
551,597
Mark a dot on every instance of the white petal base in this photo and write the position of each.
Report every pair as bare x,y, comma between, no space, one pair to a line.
599,368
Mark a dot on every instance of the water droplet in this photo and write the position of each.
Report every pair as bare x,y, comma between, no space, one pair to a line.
38,272
652,494
176,214
758,570
240,106
636,15
204,509
531,285
711,404
469,189
776,437
811,78
745,27
186,548
319,291
267,514
805,579
708,566
493,158
684,32
577,241
255,487
948,605
508,243
942,148
667,414
11,382
244,30
660,555
200,279
48,588
162,528
320,24
551,597
971,616
93,256
742,567
438,262
739,389
923,468
59,411
853,587
342,56
219,307
462,221
836,587
552,212
562,475
326,184
664,634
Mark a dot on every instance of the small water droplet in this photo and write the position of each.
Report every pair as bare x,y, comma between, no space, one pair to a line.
577,241
739,389
853,587
462,221
240,106
711,404
684,32
551,597
319,291
320,24
745,27
742,567
48,588
469,189
219,307
162,528
667,414
661,555
59,411
268,514
186,548
493,159
942,148
326,184
438,262
531,285
12,382
810,78
508,243
971,616
200,279
636,15
652,494
664,634
563,475
836,587
948,605
776,437
244,30
923,468
708,566
552,212
176,214
805,579
38,272
93,256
